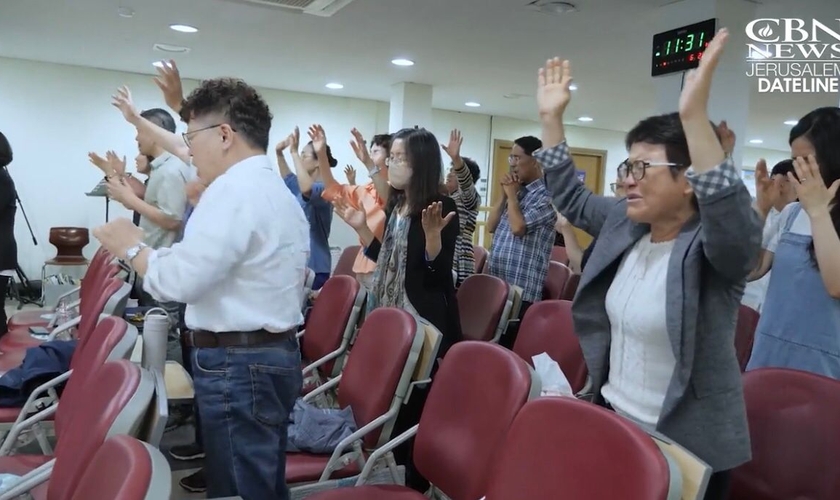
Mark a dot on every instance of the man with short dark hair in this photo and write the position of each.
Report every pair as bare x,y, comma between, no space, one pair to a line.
522,223
240,269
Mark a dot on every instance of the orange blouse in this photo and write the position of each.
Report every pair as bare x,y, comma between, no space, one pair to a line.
364,198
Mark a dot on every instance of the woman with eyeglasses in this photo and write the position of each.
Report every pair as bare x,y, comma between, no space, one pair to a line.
414,257
657,303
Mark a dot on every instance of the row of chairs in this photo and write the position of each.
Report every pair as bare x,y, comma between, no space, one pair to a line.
101,292
479,437
105,414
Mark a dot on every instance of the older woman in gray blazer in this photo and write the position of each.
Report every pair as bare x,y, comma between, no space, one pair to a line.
658,300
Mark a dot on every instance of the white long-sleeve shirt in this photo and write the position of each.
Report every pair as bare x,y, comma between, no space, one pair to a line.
242,262
642,361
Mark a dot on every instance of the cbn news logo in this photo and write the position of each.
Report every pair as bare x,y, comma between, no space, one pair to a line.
794,55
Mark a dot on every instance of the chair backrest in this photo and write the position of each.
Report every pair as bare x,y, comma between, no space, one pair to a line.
115,402
548,328
481,303
474,398
571,287
745,334
125,468
377,364
95,303
587,452
555,280
480,255
110,335
344,267
101,267
793,419
328,321
559,254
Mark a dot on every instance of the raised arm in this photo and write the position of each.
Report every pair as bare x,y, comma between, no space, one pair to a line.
469,194
731,232
441,228
377,176
169,141
169,83
114,166
355,218
583,208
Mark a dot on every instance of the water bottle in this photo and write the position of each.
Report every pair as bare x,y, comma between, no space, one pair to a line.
62,314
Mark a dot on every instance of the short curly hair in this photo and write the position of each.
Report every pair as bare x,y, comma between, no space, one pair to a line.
240,105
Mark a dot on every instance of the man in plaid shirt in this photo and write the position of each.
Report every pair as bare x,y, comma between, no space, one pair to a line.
522,223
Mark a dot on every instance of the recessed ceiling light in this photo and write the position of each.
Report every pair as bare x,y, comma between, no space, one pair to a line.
183,28
585,119
472,104
402,62
125,12
335,86
791,122
756,141
573,87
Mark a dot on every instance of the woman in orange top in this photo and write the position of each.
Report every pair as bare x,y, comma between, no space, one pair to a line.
370,197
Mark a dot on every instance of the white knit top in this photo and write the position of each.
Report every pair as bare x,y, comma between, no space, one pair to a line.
641,358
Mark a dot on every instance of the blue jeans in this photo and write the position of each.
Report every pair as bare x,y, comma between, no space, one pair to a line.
245,396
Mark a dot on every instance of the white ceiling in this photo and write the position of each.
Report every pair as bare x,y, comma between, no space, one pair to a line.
469,50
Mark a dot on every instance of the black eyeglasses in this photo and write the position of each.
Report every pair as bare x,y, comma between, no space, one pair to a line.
638,168
188,135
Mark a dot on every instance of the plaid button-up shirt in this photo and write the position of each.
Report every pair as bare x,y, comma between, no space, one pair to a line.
523,260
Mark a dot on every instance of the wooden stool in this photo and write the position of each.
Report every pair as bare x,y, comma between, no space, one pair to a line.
69,243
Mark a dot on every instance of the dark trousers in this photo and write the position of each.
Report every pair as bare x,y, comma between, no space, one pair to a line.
408,417
509,337
186,352
320,279
4,288
719,483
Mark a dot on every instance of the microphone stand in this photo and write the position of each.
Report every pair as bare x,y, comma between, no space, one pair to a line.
26,291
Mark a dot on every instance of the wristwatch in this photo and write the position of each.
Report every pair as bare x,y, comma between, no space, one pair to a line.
132,252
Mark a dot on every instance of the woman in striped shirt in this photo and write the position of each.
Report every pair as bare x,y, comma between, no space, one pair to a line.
460,184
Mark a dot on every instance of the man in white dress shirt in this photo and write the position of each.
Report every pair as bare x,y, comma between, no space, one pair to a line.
240,270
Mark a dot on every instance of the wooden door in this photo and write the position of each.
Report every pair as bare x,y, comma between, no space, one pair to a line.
589,163
590,166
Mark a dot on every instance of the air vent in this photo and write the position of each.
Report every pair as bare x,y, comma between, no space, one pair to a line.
553,6
323,8
170,49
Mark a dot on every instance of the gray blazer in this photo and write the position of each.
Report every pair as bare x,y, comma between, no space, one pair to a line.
712,256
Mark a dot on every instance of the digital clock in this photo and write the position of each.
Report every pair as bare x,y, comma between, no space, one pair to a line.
681,49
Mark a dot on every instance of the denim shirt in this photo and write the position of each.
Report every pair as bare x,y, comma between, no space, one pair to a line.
319,213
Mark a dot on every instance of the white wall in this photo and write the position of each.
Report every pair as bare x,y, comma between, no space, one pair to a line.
54,115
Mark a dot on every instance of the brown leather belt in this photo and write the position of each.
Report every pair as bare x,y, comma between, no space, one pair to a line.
205,339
